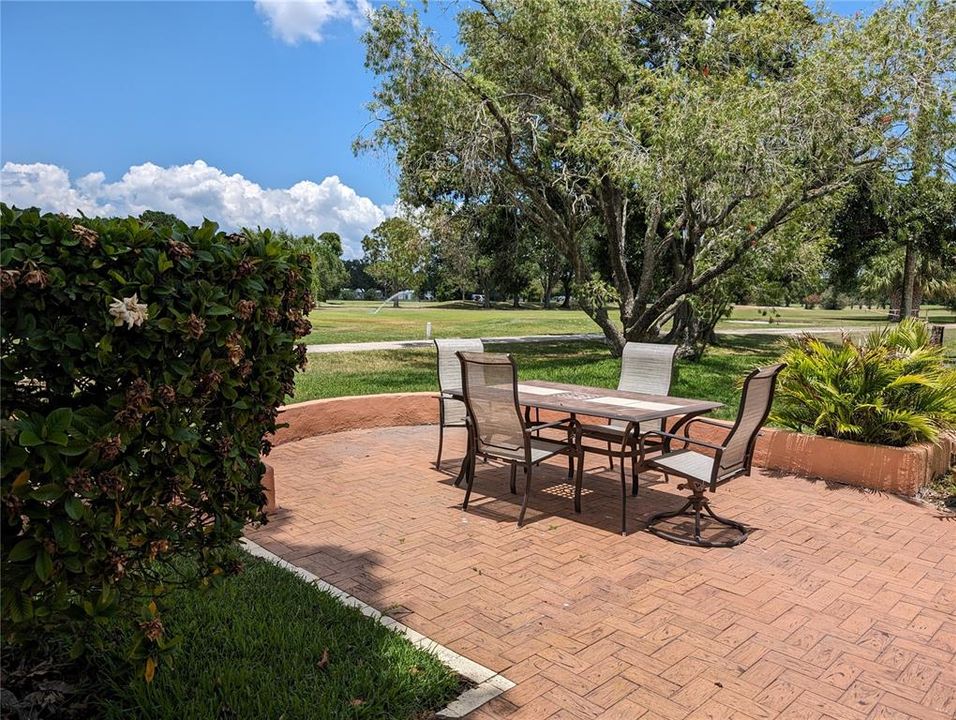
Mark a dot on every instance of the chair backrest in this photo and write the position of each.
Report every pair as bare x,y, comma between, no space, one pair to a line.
490,385
449,375
647,368
755,405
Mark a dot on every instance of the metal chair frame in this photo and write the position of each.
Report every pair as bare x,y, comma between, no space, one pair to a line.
476,346
698,501
528,432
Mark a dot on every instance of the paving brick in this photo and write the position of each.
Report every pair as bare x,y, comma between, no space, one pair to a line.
840,606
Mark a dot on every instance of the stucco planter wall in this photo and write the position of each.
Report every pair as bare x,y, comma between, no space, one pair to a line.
269,488
879,467
897,470
332,415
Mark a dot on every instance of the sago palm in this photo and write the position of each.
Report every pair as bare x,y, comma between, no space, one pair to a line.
892,389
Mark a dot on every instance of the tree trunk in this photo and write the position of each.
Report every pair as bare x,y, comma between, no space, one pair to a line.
909,280
685,328
547,292
516,301
566,286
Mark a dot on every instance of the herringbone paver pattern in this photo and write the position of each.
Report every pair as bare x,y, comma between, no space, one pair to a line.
842,605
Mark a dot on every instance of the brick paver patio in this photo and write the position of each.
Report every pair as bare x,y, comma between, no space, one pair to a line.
842,605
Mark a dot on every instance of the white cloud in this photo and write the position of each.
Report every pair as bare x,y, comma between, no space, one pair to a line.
195,191
295,20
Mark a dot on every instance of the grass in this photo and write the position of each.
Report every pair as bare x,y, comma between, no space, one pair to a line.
716,377
354,321
254,647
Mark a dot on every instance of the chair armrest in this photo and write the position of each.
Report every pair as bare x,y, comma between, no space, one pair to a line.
667,437
707,421
685,429
554,423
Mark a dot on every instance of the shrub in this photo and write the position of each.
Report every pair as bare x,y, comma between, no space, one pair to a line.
142,367
832,299
892,389
811,301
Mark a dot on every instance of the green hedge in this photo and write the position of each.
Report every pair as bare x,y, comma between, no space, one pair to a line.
141,369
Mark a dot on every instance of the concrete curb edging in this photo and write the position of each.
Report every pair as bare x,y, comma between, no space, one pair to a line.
489,683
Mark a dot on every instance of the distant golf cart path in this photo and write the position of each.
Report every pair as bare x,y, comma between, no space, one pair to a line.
403,344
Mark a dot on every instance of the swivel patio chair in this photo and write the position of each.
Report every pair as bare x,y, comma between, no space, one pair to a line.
729,460
497,429
451,412
645,368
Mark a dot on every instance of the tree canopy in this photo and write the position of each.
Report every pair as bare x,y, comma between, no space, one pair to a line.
673,144
396,254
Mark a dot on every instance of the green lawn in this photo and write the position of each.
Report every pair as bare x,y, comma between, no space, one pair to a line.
716,377
267,644
355,321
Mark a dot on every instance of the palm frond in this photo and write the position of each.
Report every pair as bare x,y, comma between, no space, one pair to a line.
893,388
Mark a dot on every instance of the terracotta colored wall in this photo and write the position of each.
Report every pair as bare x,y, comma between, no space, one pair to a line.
332,415
269,487
896,470
879,467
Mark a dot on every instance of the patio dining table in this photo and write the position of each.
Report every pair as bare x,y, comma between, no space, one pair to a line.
577,400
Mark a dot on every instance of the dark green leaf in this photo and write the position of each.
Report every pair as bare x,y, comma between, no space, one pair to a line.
59,420
23,550
43,565
28,438
74,508
50,491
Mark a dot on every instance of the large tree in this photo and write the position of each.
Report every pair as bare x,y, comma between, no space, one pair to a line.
919,204
677,141
453,241
396,254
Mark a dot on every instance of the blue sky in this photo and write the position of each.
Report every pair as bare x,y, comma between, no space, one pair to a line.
90,90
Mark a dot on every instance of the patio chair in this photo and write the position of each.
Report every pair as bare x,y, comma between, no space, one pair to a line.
645,368
729,460
490,387
451,412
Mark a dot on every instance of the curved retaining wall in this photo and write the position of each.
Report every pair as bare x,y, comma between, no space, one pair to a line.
332,415
897,470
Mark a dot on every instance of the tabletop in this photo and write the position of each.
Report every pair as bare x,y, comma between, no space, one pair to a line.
602,402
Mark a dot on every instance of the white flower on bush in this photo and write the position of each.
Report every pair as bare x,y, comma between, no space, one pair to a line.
128,310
